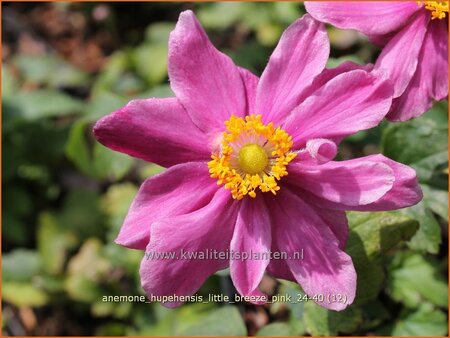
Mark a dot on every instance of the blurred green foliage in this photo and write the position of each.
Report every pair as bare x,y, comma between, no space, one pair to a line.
65,195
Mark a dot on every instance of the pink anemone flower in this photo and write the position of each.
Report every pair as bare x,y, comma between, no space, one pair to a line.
250,166
415,39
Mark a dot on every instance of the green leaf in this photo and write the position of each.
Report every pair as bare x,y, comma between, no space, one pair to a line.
53,243
103,163
18,201
424,322
45,103
23,294
158,32
85,271
374,314
436,200
414,278
14,229
116,201
286,12
412,141
333,62
421,143
276,329
428,237
251,56
374,233
220,15
103,103
159,91
118,77
110,164
49,70
20,265
150,170
322,322
81,209
371,235
111,329
77,148
9,83
212,324
269,34
150,61
427,166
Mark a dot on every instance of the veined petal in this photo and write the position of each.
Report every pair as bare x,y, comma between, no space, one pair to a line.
337,222
351,183
405,191
350,102
204,230
251,237
181,189
330,73
434,58
430,80
155,130
400,56
299,57
207,82
325,269
251,84
368,17
279,268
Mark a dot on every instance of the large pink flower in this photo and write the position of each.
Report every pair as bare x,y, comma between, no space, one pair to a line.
251,165
415,40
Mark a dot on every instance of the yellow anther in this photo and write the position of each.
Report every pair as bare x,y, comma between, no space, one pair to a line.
437,8
252,156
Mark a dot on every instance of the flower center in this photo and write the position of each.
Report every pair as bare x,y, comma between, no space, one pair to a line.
251,156
437,8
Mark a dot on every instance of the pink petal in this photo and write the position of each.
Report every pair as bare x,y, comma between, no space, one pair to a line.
300,56
405,191
155,130
251,84
325,269
434,59
399,57
350,183
330,73
369,17
279,268
204,230
251,237
350,102
430,80
382,40
336,220
206,82
317,151
179,190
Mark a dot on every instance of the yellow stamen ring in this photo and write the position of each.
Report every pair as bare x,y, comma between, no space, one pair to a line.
437,8
252,156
